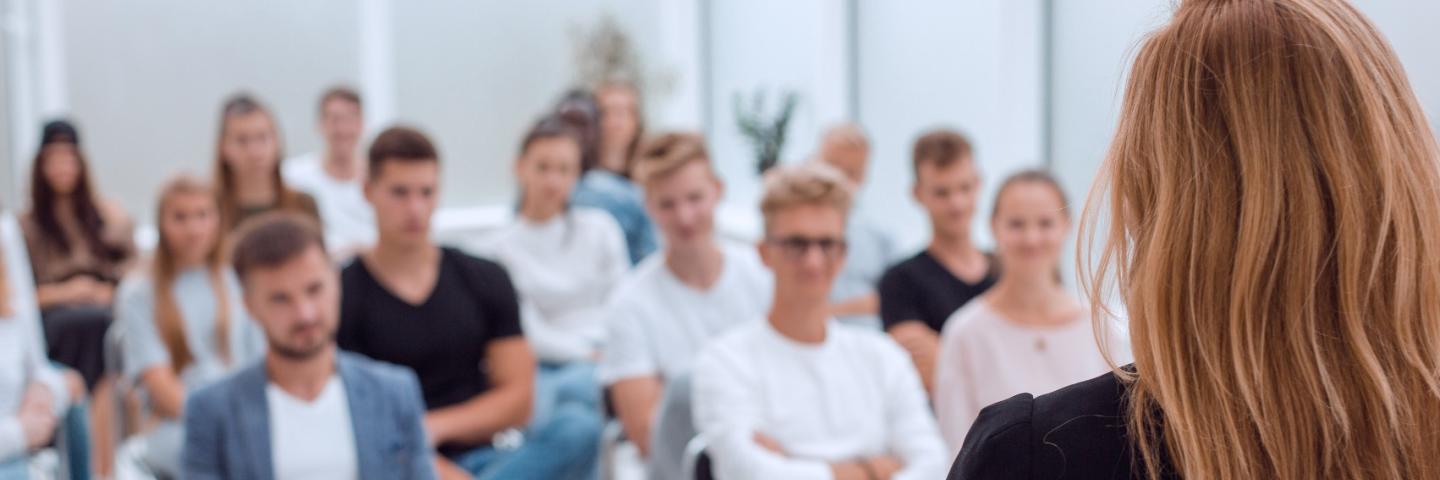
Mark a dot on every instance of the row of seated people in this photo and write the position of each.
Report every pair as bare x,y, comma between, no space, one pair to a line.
562,276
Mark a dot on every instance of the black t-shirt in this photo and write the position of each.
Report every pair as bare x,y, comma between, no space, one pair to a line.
444,339
921,288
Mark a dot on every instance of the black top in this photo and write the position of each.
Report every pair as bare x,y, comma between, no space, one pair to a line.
1075,433
444,339
921,288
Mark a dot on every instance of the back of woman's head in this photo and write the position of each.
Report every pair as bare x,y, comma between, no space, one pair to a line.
1273,223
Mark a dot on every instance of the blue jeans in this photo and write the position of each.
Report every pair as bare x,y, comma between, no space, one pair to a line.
566,446
15,469
563,439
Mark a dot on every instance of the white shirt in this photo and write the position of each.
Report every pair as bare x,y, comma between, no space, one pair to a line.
312,440
22,345
657,323
563,270
853,396
349,219
985,358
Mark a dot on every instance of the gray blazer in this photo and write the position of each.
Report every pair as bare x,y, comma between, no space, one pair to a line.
227,424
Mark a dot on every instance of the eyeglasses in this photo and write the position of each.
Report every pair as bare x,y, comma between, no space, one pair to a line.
796,247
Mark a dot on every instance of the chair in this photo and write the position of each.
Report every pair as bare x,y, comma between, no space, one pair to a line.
697,462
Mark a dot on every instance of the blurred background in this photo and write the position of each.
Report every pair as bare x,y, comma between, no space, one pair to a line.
1033,82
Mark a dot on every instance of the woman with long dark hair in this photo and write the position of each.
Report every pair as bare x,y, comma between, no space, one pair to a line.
80,246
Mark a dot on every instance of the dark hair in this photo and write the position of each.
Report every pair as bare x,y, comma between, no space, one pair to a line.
241,104
400,144
942,148
270,239
339,92
579,110
84,205
552,126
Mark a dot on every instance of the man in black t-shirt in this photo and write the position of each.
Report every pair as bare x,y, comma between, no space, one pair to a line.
454,319
918,295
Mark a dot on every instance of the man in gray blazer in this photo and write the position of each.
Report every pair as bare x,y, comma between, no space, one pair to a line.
307,410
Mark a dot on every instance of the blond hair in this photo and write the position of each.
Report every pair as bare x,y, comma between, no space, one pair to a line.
666,154
811,183
1274,232
164,269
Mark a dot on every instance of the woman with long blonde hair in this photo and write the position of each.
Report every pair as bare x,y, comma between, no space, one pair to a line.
182,320
1273,198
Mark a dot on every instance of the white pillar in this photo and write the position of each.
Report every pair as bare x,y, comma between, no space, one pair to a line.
377,62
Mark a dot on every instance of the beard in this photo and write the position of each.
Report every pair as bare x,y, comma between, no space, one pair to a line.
291,351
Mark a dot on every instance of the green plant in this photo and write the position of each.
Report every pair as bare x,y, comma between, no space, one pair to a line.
766,134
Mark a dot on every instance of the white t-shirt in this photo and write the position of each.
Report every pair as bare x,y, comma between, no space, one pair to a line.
22,344
853,396
349,219
985,358
657,323
312,440
563,270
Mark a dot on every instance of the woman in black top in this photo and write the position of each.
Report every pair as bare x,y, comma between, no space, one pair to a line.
1273,220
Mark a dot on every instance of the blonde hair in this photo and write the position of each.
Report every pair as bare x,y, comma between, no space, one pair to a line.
164,269
666,154
1274,233
811,183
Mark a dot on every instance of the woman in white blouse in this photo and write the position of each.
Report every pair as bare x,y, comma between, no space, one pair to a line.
564,262
1027,333
33,393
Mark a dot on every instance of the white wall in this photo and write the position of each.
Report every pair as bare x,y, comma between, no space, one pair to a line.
146,79
476,75
975,66
1094,43
773,46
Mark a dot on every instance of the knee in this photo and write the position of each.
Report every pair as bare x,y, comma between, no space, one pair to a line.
573,428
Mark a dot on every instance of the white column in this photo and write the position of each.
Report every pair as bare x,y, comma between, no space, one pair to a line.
377,62
18,33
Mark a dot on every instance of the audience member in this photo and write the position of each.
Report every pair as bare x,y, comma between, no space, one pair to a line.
182,322
870,249
918,295
247,165
796,395
455,320
674,303
1027,333
306,410
335,176
610,127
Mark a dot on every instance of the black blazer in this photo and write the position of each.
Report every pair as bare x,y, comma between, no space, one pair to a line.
1075,433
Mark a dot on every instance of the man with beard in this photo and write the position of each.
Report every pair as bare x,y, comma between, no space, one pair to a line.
307,410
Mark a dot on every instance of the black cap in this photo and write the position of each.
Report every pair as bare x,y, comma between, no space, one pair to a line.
59,131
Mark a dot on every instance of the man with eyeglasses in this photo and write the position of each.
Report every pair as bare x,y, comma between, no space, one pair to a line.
799,396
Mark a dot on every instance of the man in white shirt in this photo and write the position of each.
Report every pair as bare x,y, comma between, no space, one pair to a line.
307,411
675,302
335,176
869,249
798,396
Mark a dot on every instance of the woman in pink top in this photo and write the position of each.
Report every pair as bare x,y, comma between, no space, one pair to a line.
1027,333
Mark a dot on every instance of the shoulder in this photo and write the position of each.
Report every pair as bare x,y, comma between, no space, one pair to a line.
727,347
970,316
904,269
473,264
135,287
873,343
353,272
301,168
639,283
389,377
211,399
1077,431
597,220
